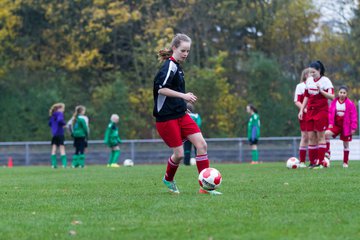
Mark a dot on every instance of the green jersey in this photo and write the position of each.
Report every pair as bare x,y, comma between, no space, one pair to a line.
196,117
80,128
253,130
111,137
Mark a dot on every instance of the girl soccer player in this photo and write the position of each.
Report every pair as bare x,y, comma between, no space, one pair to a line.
253,132
298,99
112,140
343,121
80,131
173,124
57,124
317,92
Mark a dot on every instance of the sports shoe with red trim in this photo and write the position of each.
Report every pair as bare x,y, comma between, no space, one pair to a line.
211,192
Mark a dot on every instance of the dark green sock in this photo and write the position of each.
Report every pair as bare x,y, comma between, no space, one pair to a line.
82,160
53,161
115,156
64,161
111,157
75,162
254,155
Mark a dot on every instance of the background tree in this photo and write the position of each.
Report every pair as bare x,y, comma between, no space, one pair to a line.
102,54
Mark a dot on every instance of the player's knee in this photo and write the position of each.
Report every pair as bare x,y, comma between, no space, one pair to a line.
201,147
178,157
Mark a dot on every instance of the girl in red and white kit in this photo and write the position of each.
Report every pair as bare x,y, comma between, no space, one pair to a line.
298,100
343,121
317,92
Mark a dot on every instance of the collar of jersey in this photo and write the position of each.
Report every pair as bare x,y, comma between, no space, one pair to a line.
173,59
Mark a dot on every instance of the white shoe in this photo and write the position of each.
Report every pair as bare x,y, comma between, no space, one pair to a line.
302,165
115,165
345,165
211,192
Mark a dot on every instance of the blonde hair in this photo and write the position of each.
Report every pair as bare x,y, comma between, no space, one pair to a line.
113,117
166,53
304,74
56,107
78,109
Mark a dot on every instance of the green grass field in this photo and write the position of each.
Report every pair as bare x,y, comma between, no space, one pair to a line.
265,201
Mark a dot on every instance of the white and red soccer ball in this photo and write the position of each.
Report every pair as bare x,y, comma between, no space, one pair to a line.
210,178
293,163
326,162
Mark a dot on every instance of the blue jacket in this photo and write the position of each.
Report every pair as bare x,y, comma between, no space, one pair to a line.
57,123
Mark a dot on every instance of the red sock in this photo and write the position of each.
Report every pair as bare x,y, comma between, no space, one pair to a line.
321,152
346,155
312,153
328,147
302,154
171,170
202,162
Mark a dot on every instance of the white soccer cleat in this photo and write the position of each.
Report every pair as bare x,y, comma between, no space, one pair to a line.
345,165
302,165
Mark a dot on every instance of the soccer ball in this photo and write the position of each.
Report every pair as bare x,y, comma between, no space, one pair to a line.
210,178
326,162
292,163
128,163
192,161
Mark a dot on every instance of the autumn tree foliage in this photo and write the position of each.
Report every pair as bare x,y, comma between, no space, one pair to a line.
102,54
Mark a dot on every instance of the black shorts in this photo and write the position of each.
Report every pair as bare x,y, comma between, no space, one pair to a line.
253,141
58,140
79,144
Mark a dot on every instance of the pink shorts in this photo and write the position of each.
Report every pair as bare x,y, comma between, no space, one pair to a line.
174,132
336,130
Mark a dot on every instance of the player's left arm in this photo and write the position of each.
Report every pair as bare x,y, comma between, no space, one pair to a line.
353,118
326,89
328,93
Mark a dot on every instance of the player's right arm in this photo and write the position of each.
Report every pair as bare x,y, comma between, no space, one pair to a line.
190,97
303,106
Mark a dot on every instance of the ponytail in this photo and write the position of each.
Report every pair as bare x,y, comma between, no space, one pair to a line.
79,109
253,108
164,54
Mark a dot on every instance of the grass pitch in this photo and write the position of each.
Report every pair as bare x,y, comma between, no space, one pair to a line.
265,201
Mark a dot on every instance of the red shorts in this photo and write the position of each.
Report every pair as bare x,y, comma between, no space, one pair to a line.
302,124
336,130
317,121
175,131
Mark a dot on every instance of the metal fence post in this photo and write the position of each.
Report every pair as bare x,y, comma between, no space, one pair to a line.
240,150
132,146
27,154
294,147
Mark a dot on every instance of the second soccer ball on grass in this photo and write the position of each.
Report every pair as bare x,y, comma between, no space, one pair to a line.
293,163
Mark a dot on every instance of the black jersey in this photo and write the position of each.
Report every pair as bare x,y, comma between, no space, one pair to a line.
169,76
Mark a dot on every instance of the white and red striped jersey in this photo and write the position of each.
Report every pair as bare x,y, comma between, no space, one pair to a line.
340,108
316,99
300,92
